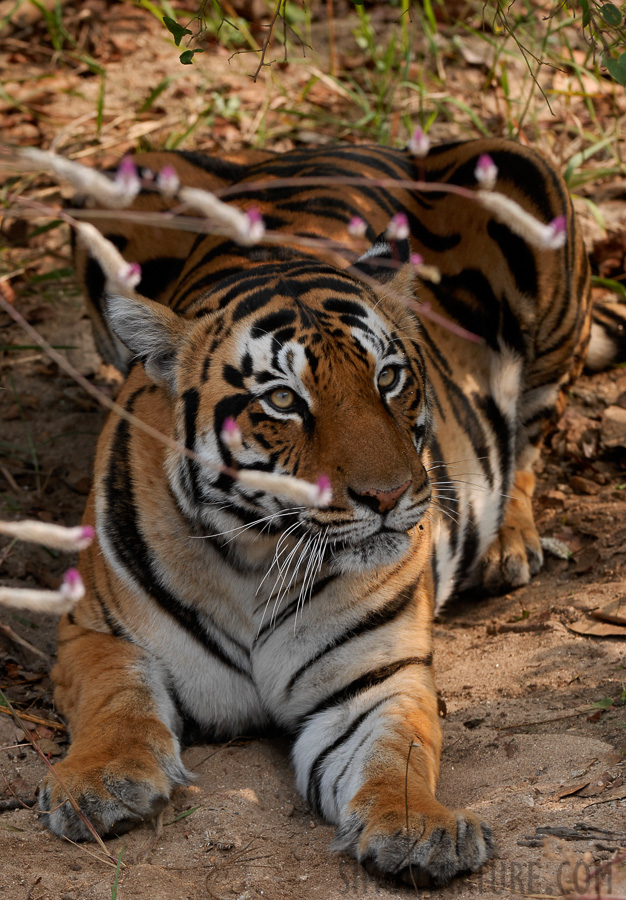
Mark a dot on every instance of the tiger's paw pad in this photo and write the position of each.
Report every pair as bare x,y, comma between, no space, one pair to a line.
113,800
435,851
512,559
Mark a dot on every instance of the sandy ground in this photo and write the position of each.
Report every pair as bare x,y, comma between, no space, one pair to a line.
525,747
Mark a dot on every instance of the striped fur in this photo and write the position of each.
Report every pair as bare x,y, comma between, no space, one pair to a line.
213,610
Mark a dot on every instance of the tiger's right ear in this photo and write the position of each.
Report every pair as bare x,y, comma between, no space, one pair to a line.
151,331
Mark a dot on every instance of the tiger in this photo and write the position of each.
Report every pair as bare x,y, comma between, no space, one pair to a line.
213,609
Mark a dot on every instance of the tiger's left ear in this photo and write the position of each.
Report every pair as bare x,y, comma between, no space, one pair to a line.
388,262
151,331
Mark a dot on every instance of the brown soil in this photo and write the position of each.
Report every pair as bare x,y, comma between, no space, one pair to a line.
525,747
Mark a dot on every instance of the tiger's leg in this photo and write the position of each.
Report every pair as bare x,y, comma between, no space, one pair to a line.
515,554
370,765
124,759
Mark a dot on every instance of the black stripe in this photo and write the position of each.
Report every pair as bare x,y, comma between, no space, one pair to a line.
470,548
317,769
158,274
268,629
369,680
374,619
518,256
348,764
272,322
191,402
114,626
219,166
122,529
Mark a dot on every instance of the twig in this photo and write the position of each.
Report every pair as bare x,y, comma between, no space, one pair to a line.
109,861
18,639
219,750
568,715
406,804
332,45
10,480
267,41
27,717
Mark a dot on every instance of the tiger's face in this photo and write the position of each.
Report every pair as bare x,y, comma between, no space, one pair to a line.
322,376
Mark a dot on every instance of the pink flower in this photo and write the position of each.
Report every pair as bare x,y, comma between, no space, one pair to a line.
486,172
127,179
57,537
419,144
72,588
416,259
545,237
167,181
256,225
558,232
398,228
357,227
231,434
130,275
324,491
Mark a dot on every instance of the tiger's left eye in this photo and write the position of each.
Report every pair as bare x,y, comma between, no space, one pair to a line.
282,398
387,378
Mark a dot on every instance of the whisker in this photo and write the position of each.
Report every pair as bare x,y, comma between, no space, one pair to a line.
277,554
282,590
287,512
448,513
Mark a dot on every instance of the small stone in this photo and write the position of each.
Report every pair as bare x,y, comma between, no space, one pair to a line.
553,499
613,427
582,485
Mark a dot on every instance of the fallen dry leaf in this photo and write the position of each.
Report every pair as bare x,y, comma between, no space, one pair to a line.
592,628
571,789
614,612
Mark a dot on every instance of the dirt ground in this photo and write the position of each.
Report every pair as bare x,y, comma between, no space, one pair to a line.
535,714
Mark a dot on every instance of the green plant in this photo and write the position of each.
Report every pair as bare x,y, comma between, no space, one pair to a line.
116,880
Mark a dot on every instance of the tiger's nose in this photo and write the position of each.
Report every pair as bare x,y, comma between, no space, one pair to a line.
382,501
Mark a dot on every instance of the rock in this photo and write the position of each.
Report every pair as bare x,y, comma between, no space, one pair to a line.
613,427
576,436
582,485
553,499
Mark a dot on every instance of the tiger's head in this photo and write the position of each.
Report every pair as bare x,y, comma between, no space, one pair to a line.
323,375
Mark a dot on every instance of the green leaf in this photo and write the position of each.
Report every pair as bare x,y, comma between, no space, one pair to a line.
154,94
116,881
584,4
186,57
612,285
617,68
177,30
611,15
603,704
182,815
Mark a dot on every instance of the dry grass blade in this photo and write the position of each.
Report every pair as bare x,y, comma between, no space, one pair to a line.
27,717
107,862
18,639
406,803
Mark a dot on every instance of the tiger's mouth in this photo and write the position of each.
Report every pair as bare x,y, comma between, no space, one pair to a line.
383,548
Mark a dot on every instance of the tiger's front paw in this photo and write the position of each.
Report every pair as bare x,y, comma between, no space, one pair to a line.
439,844
512,559
114,796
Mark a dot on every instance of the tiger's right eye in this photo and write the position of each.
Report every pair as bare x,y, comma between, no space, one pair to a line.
282,399
387,378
